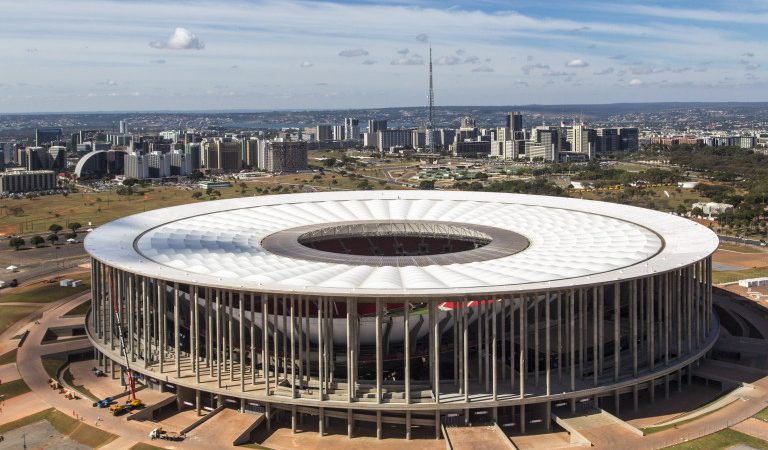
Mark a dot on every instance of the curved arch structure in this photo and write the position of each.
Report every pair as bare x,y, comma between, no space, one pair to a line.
449,302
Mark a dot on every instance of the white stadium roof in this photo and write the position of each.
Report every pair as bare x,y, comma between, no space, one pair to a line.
571,243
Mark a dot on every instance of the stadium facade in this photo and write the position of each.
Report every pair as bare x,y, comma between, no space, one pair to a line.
404,307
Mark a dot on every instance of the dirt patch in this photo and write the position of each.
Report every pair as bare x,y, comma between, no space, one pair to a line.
749,260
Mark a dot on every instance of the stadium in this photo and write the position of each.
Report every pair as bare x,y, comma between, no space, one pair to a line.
404,308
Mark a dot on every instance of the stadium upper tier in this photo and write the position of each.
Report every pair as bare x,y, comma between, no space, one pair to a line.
465,242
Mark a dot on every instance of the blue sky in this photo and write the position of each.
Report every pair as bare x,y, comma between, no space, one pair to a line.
86,55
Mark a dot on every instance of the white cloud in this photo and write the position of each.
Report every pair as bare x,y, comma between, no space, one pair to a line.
32,50
606,71
403,51
422,37
306,64
557,73
370,62
181,39
483,69
528,68
157,61
413,60
635,82
748,55
577,63
449,60
353,52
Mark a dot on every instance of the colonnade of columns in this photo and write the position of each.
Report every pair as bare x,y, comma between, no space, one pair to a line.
403,353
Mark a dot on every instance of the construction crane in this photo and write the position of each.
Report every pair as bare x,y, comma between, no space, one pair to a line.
133,402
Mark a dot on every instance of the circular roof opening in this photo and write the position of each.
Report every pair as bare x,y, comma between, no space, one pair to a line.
395,239
395,243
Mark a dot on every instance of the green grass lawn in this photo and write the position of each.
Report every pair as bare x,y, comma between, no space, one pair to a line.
736,275
762,415
13,388
79,310
51,364
9,357
721,440
739,248
12,314
78,387
68,426
46,293
143,446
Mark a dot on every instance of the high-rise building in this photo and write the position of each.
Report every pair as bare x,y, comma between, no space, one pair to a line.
629,139
194,155
515,125
181,164
392,138
47,136
324,133
283,156
339,133
351,129
376,125
607,140
19,181
123,126
158,164
136,166
41,158
223,156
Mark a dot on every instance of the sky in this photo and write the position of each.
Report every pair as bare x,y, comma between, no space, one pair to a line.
136,55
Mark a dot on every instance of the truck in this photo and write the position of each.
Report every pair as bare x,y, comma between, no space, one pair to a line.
118,409
103,403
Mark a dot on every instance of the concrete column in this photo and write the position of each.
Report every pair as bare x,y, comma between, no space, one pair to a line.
321,422
349,357
218,336
595,344
408,424
436,350
494,356
241,333
512,358
379,354
198,406
548,415
265,341
285,338
536,339
350,423
523,344
633,326
320,358
176,334
195,334
616,320
293,347
378,425
437,424
560,337
253,337
275,341
230,359
547,352
407,354
572,333
522,414
293,419
465,349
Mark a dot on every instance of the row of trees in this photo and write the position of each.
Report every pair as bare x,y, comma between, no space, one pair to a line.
37,240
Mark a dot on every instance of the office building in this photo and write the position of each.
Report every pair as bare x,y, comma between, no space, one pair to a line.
514,124
387,139
123,126
351,129
223,156
48,136
324,133
136,166
376,125
20,181
282,157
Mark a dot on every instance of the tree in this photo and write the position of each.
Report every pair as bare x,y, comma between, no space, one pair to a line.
243,187
697,212
55,228
130,182
36,240
74,226
71,235
197,195
16,242
427,184
52,238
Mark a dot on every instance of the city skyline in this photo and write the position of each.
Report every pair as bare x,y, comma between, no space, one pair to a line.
266,55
